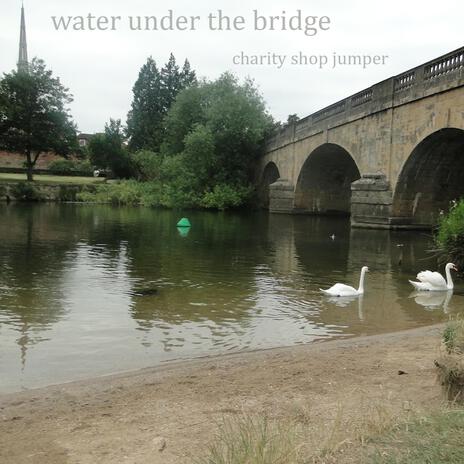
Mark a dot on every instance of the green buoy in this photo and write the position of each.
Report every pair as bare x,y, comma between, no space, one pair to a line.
183,231
184,222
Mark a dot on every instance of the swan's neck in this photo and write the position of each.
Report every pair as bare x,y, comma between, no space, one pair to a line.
361,281
449,280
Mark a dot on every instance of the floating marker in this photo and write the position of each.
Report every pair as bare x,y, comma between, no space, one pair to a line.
184,222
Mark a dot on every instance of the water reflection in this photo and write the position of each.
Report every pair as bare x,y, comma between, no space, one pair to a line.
433,300
87,290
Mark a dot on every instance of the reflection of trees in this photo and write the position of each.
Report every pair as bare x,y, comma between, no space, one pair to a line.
32,253
215,284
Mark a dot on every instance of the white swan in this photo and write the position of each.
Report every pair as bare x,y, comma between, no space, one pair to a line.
434,281
346,290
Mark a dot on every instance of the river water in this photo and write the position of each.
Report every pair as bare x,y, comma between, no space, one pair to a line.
90,290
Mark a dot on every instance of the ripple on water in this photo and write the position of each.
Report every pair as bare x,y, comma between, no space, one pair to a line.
91,290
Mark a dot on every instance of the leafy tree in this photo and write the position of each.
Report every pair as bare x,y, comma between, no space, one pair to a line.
230,117
107,150
182,117
34,117
147,165
200,154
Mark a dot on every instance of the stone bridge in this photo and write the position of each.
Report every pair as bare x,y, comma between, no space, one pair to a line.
392,155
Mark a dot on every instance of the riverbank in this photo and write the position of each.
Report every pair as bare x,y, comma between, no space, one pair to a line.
333,387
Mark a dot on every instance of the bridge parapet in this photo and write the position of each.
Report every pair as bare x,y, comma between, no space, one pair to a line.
438,75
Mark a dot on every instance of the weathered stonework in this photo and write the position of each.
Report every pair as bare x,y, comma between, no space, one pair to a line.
409,129
281,197
371,201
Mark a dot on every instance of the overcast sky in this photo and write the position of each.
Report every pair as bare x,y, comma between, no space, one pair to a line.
100,67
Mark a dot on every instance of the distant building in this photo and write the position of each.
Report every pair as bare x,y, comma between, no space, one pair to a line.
84,139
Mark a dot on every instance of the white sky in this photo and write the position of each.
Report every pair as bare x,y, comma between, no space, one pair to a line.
100,67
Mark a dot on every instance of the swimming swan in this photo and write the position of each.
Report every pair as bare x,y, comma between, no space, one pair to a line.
346,290
434,281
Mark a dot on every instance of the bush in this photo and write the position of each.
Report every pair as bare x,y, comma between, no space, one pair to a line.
68,193
450,235
61,167
225,196
451,364
67,167
25,191
147,165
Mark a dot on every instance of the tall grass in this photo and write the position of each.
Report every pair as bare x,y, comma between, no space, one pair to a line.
299,437
375,436
254,440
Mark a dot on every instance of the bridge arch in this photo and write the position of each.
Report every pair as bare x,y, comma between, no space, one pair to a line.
324,182
270,174
431,177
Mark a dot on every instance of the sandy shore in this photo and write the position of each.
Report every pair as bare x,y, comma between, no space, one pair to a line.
120,418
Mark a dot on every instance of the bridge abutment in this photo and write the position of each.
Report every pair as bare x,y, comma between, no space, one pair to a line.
281,197
371,201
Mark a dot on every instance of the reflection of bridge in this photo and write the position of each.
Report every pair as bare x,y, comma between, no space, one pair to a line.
392,155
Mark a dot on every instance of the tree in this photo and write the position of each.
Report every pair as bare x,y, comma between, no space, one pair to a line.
153,95
144,121
34,117
170,83
107,150
293,118
188,77
231,119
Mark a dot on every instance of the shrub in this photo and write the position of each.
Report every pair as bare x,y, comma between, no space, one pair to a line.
147,165
68,193
225,196
84,167
450,234
451,364
67,167
62,167
25,191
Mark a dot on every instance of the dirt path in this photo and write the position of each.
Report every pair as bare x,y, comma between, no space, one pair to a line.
119,419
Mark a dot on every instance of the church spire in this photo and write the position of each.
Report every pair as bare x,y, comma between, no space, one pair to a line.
22,59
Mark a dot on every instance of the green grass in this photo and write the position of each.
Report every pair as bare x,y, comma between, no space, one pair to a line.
50,179
453,336
435,439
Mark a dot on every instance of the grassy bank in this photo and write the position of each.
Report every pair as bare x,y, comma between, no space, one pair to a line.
166,195
377,434
50,179
378,438
432,439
